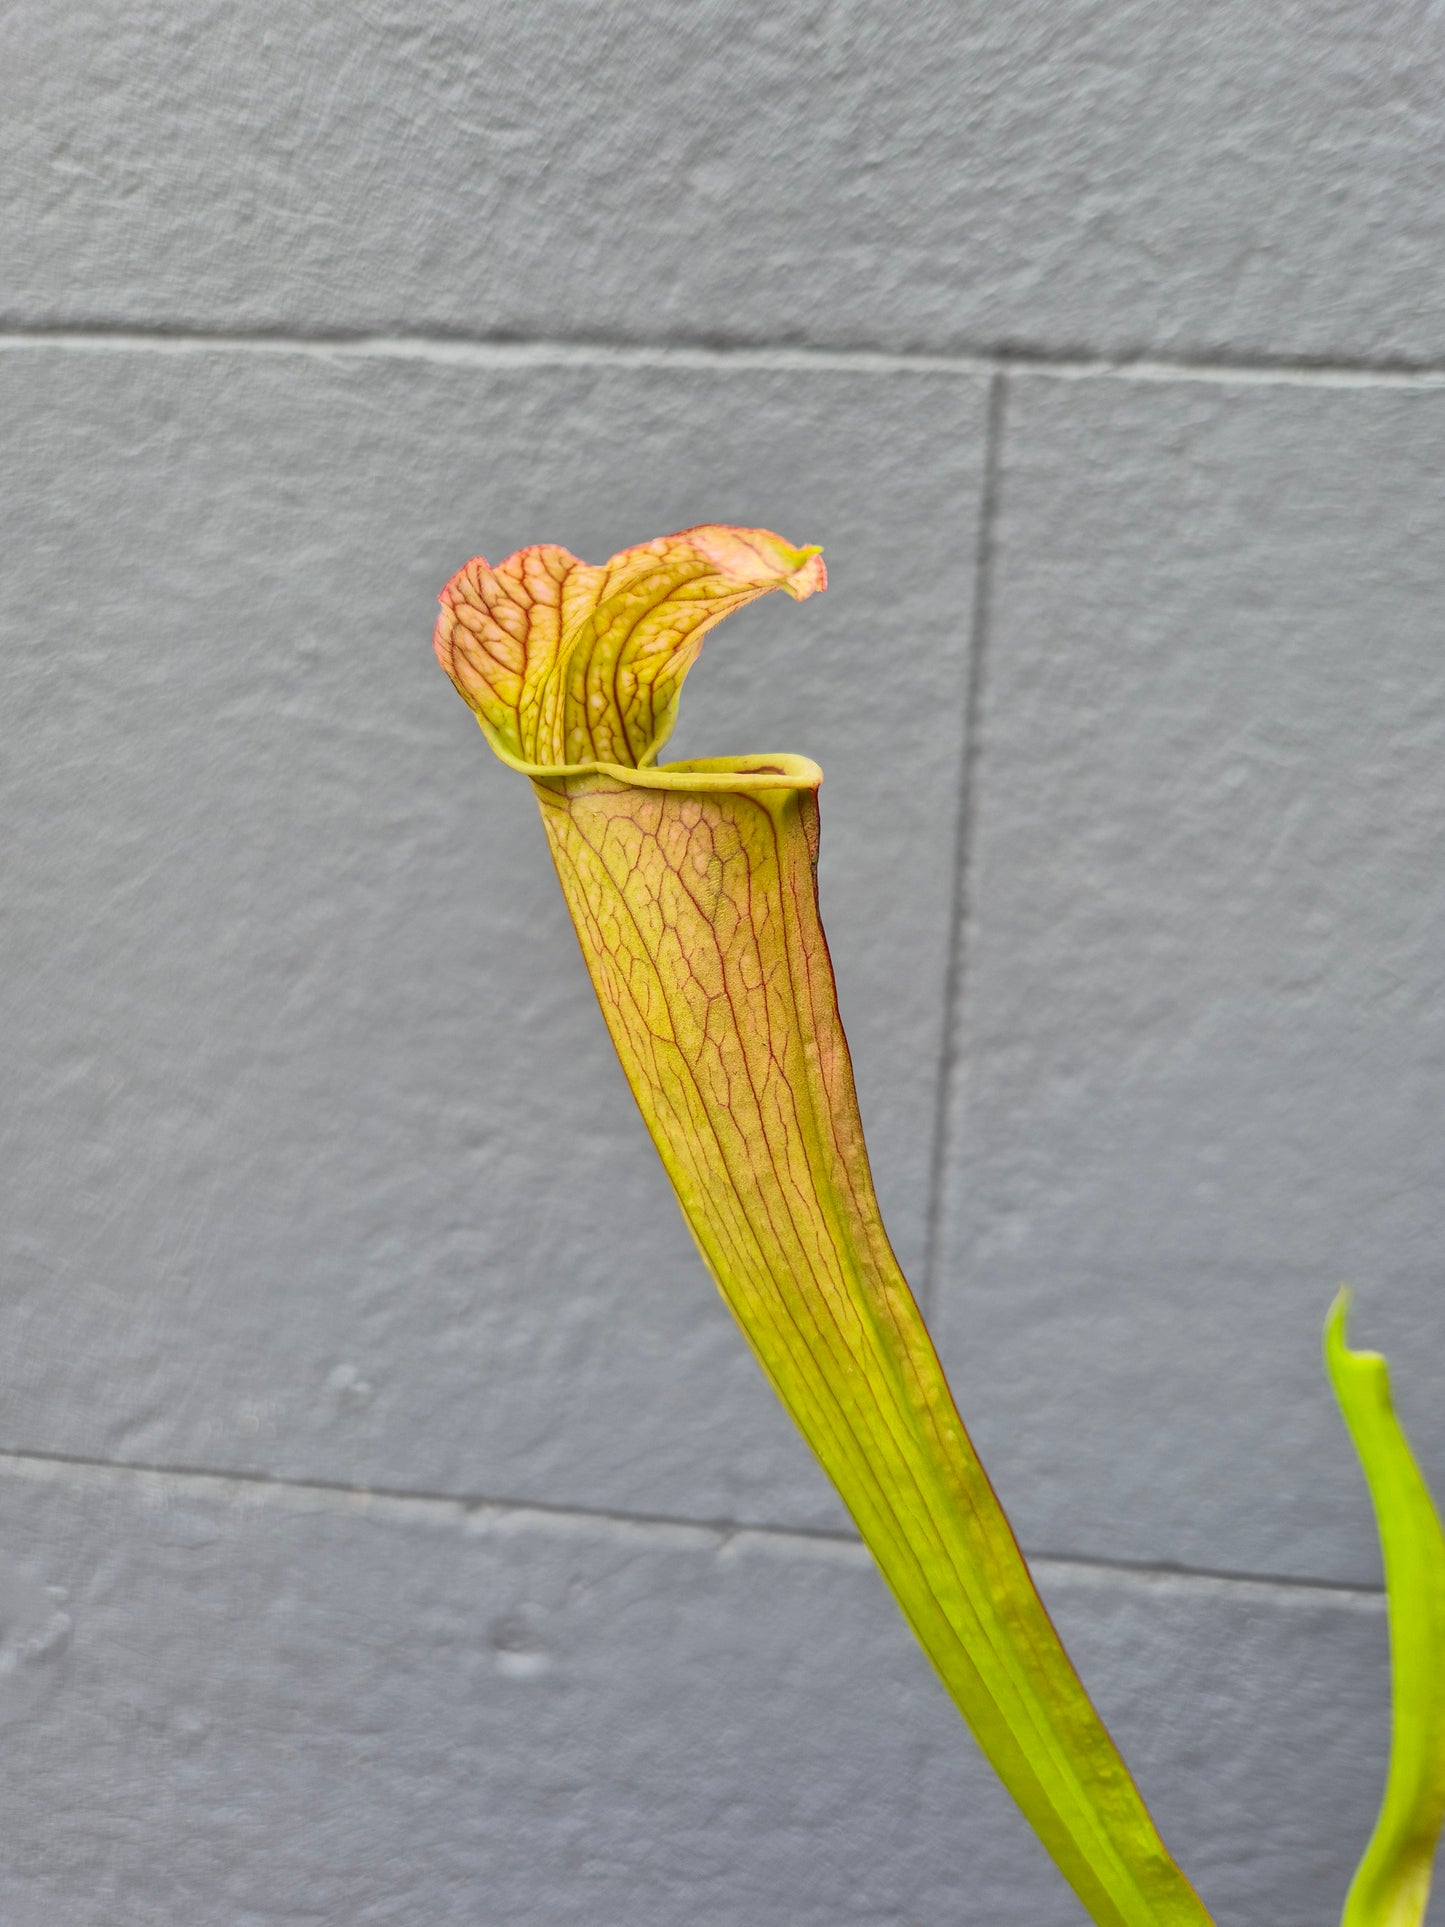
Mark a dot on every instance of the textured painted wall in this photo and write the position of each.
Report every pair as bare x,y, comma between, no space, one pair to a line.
392,1526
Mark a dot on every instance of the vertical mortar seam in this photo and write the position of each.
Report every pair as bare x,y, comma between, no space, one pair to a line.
979,622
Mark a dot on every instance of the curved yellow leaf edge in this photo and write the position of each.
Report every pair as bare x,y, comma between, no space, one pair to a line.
693,889
1392,1886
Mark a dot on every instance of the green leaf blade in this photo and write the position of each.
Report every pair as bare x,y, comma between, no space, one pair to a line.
1392,1885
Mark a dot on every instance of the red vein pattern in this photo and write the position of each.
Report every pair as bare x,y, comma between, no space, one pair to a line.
567,664
693,890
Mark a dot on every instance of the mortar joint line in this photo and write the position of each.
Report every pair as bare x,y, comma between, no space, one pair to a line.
980,362
725,1531
964,831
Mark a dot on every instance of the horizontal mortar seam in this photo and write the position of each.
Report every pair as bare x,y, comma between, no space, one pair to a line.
975,365
720,1531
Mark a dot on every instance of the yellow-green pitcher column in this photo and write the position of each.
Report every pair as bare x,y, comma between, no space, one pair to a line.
693,891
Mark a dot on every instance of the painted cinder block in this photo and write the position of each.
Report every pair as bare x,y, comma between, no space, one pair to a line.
259,1705
1117,175
317,1158
1202,1064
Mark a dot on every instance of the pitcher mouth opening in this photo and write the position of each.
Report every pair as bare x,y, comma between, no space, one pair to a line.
767,771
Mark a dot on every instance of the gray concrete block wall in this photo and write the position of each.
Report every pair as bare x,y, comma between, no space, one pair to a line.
394,1527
